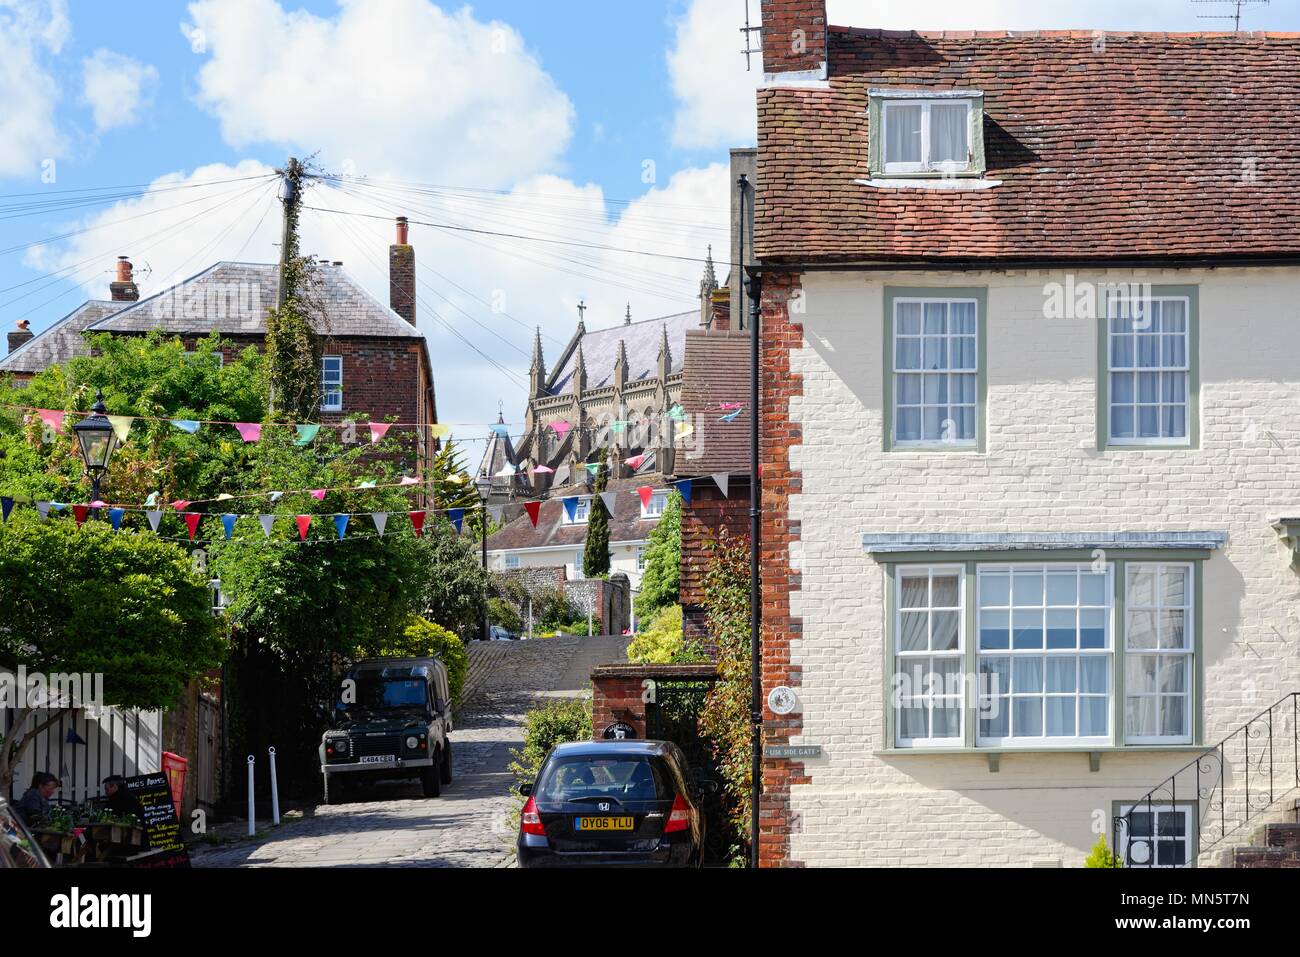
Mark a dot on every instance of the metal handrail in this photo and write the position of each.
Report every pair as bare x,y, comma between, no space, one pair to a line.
1210,791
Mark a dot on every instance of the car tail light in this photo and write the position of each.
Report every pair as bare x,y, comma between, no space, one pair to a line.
530,822
680,817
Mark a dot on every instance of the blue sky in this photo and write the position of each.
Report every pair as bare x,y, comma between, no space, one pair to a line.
603,121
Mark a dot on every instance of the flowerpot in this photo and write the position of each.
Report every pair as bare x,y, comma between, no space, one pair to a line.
56,842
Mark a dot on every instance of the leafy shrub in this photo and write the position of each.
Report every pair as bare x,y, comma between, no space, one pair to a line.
1100,855
423,639
501,612
662,641
565,719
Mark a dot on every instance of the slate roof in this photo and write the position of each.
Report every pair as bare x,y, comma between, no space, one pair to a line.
233,298
626,525
61,341
600,349
716,371
1153,145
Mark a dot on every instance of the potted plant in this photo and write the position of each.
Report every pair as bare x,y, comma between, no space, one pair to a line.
114,828
55,833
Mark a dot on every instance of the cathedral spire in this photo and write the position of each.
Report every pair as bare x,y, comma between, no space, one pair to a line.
537,371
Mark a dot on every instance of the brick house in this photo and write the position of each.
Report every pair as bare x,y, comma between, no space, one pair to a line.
1030,405
375,361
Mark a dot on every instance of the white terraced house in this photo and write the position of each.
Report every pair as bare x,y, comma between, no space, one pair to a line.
1031,445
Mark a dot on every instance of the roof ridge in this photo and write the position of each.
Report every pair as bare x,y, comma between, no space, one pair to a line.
881,33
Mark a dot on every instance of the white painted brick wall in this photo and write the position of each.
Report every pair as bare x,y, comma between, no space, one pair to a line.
1042,472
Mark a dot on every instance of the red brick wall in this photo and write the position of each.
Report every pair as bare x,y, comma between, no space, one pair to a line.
708,512
617,692
780,336
794,35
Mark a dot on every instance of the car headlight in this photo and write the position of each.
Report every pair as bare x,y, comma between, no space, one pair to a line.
340,745
412,742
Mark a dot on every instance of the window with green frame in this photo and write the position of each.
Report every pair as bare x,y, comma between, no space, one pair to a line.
1035,654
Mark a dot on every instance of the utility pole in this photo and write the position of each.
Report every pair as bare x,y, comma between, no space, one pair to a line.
291,197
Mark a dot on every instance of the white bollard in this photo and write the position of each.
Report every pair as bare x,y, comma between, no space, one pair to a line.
252,812
275,791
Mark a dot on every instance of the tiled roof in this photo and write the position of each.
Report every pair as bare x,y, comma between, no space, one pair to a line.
626,525
600,349
61,341
716,371
233,298
1114,145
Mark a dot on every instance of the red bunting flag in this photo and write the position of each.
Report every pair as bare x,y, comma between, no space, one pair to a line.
51,417
646,493
378,430
417,522
533,508
635,461
304,521
318,494
180,504
79,512
192,520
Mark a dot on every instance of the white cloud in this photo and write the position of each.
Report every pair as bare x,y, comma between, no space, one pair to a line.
715,92
30,30
115,87
388,85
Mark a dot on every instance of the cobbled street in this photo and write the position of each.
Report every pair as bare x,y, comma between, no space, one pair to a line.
392,824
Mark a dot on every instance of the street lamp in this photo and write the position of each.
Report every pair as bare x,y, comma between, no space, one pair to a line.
98,441
484,485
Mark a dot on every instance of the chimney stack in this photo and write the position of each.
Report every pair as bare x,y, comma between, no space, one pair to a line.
794,41
401,273
123,288
23,334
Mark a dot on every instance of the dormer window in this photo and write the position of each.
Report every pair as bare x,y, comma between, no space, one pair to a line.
926,134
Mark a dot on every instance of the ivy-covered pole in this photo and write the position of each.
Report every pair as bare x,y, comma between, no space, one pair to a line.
292,348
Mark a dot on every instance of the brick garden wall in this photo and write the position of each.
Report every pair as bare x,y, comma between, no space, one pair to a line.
701,521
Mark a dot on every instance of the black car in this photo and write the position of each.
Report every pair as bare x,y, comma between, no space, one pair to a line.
609,803
17,848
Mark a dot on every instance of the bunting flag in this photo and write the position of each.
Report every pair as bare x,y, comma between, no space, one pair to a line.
677,413
58,506
617,426
181,504
79,512
722,480
51,417
224,497
305,434
228,523
501,430
561,428
729,417
369,483
155,516
152,500
635,461
121,426
409,480
6,506
417,523
609,500
381,520
684,429
267,521
249,431
684,487
115,518
593,468
729,406
457,515
304,522
275,496
544,470
186,425
341,524
99,503
507,471
456,478
533,508
318,494
646,493
44,509
192,520
571,507
497,512
439,431
378,430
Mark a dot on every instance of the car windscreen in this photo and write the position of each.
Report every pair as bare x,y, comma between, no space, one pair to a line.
16,846
378,692
625,777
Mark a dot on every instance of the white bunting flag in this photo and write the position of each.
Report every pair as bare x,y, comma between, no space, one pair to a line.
381,521
44,509
609,498
155,516
721,479
267,521
496,511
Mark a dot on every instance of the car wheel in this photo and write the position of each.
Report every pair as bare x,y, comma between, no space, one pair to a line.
431,781
444,766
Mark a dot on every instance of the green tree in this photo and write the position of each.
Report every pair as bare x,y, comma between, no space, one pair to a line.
421,638
663,562
595,556
129,607
662,642
1101,856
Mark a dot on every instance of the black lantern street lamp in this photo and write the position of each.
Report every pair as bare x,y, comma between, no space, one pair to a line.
98,441
484,485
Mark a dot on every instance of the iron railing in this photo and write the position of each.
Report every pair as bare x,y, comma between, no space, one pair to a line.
1224,788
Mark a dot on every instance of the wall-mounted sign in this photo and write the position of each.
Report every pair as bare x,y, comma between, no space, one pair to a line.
619,730
782,700
792,751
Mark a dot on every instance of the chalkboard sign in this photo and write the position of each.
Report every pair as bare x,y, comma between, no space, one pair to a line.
162,828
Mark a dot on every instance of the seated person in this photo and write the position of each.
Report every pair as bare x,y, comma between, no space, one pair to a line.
118,799
35,802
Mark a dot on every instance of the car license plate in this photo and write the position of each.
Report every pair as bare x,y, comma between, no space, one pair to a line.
378,758
603,824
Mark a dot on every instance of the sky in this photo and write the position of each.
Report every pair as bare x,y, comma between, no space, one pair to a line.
152,129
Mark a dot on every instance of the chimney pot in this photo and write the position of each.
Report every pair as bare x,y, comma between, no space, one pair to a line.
23,334
403,231
123,288
123,269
